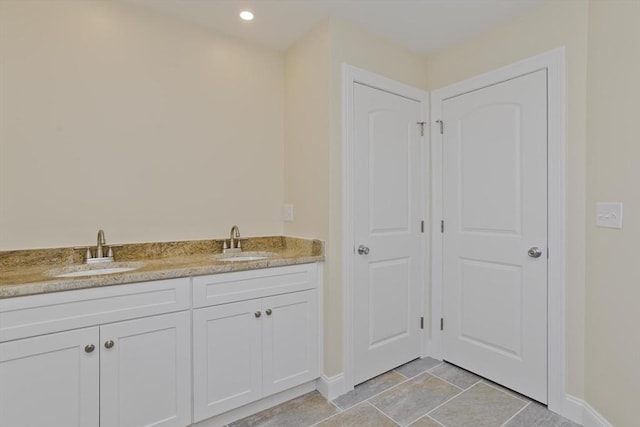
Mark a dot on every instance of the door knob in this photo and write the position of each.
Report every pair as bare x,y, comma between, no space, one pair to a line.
89,348
534,252
257,314
268,311
109,344
363,250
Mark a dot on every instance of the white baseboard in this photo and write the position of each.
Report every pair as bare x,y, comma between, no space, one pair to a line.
331,387
592,418
579,411
573,409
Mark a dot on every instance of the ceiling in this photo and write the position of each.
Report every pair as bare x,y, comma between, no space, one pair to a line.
424,26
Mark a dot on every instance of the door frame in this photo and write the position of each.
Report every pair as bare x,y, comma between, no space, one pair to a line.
554,62
352,75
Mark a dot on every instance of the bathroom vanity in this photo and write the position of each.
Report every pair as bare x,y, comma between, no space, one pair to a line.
208,347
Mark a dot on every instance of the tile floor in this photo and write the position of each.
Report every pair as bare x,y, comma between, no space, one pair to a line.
422,393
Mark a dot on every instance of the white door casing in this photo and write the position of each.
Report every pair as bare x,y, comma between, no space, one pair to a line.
495,210
554,64
387,205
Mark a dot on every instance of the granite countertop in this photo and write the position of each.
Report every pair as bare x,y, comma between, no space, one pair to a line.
25,272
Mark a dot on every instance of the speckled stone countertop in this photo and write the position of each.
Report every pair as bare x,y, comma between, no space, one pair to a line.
24,272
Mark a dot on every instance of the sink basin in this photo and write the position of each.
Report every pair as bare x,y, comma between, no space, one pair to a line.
87,270
243,256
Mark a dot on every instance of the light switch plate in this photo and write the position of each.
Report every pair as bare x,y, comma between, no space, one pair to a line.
287,213
609,215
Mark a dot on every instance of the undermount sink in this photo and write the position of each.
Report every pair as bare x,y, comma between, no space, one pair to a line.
87,270
243,256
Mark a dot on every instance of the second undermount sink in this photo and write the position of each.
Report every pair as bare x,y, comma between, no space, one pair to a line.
243,256
87,270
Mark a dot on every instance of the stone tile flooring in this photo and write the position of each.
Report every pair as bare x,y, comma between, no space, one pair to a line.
422,393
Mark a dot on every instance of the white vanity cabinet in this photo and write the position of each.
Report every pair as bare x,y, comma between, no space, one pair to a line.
125,355
255,333
123,358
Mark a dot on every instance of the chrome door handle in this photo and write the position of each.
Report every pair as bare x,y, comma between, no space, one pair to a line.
109,344
534,252
363,250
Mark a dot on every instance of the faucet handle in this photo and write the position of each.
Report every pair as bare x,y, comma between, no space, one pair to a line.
240,240
88,254
110,250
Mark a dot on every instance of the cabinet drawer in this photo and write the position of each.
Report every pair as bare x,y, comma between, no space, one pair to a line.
230,287
32,315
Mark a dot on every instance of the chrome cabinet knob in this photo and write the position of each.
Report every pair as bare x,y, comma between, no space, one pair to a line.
268,311
257,314
89,348
534,252
363,250
109,344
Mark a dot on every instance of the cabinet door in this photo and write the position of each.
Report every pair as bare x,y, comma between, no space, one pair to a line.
290,340
50,380
145,377
227,357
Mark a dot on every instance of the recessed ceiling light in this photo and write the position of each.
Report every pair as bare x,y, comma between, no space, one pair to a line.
246,15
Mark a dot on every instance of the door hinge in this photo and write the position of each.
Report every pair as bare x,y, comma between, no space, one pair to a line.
441,124
442,226
421,127
442,324
422,226
422,323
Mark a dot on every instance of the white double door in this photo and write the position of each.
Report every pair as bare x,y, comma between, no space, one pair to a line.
495,232
387,205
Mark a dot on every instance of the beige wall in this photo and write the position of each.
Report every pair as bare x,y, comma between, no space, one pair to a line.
307,134
544,28
313,149
153,129
612,375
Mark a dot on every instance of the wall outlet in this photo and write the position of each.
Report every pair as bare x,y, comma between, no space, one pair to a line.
287,213
609,215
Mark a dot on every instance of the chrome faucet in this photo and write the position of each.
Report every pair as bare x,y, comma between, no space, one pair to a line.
100,244
100,256
234,241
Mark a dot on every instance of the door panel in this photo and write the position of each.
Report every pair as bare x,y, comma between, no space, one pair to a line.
145,377
50,380
290,341
495,165
388,172
388,296
387,213
499,328
495,209
227,359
